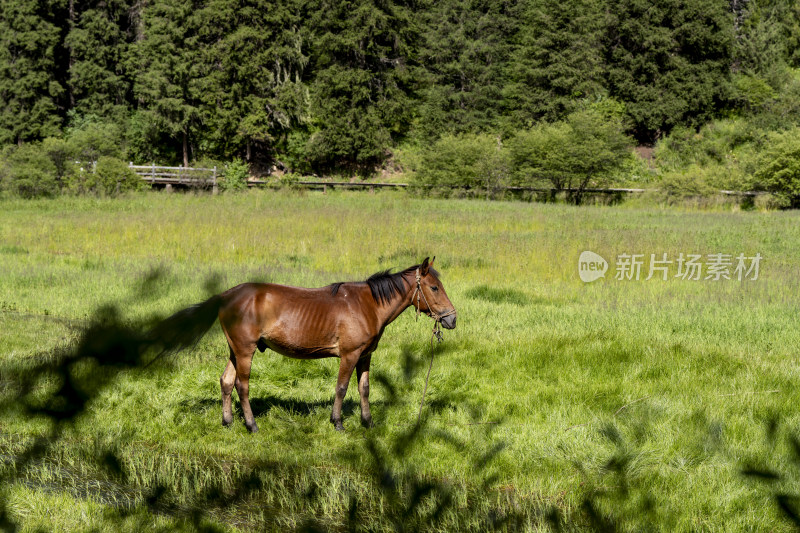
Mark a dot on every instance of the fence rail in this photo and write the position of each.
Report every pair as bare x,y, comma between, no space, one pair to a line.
207,177
184,176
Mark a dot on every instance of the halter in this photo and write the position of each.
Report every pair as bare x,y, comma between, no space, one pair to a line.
437,318
437,332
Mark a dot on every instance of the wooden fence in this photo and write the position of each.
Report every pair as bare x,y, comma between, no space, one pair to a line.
207,178
183,176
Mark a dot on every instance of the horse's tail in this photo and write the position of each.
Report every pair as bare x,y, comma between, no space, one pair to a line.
186,327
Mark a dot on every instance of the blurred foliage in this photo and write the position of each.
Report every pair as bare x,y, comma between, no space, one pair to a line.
27,171
457,163
582,151
778,166
234,176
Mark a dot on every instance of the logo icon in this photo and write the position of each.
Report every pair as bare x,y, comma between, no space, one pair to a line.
591,266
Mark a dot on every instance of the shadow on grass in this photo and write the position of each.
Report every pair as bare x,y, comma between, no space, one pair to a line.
498,295
374,485
262,405
378,486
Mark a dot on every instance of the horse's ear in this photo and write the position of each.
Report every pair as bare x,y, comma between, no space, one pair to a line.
432,261
423,268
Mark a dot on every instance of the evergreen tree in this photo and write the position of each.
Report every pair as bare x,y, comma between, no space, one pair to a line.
168,60
30,81
557,59
466,48
98,42
363,80
668,61
251,74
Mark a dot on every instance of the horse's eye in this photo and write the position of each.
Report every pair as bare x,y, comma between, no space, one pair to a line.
435,289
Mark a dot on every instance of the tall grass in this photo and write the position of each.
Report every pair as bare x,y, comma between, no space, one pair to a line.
666,389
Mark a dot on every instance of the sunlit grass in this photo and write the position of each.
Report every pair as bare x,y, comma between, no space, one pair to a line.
689,372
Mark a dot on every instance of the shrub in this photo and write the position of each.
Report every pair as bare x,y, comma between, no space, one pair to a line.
289,179
778,167
90,138
62,154
109,176
689,182
583,150
28,171
470,161
294,152
722,142
114,176
234,176
538,156
753,92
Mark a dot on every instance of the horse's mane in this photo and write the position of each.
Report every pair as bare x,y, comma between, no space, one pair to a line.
384,285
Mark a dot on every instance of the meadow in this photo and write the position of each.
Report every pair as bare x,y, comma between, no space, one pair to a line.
636,404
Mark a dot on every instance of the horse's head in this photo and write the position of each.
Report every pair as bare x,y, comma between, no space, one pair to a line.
432,298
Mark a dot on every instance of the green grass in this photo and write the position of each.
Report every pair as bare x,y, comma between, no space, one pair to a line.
675,380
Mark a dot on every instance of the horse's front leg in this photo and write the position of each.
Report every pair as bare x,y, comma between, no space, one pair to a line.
362,373
346,365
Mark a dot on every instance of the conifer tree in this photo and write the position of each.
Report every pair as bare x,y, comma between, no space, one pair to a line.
167,58
668,61
251,66
466,47
98,40
557,59
363,82
30,86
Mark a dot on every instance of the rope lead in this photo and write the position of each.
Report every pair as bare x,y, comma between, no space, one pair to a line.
435,334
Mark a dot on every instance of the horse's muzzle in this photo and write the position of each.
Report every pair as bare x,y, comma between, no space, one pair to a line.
449,322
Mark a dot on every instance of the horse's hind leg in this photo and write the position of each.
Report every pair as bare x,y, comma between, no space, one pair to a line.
244,358
226,382
362,373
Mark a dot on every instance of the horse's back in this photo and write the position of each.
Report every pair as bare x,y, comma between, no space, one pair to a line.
293,321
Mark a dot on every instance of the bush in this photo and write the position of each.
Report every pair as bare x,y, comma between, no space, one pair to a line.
470,161
294,152
778,167
538,156
89,138
114,176
692,181
62,154
753,93
722,142
28,171
583,150
289,179
109,176
234,176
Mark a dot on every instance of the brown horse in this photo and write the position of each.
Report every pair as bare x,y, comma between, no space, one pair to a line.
344,320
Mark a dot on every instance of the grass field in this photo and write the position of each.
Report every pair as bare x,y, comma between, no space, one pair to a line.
646,399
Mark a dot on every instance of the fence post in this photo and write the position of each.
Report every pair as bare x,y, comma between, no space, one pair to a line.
153,174
214,188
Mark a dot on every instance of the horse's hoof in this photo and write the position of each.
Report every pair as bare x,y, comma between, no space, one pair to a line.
338,425
253,428
226,423
367,423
